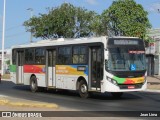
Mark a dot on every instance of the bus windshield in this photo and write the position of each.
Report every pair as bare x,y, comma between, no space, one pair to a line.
126,59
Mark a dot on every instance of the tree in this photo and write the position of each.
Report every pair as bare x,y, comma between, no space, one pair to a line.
84,22
8,62
64,21
127,18
97,26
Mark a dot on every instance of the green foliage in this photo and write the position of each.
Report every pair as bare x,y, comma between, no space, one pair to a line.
148,40
97,26
64,21
8,62
84,22
125,17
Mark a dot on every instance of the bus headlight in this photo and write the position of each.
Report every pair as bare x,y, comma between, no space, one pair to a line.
111,80
114,82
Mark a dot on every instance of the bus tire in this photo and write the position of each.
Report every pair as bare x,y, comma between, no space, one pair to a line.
33,84
83,89
117,94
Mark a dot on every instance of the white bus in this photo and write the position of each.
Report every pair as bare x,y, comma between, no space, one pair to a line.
95,64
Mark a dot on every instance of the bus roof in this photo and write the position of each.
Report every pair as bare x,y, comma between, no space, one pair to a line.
124,37
67,41
62,41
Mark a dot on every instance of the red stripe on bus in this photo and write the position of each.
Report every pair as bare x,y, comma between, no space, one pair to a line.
33,69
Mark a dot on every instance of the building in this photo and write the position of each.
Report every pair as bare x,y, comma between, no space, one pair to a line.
153,53
7,54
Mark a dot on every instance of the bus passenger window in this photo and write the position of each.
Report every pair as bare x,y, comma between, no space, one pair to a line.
79,55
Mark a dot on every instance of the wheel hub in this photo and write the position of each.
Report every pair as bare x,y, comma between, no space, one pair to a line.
33,85
83,88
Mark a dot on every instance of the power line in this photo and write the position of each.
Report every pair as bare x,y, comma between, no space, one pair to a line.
11,28
15,35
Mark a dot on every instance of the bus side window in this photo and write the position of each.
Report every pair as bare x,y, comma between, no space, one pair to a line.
79,55
75,55
29,56
64,55
39,56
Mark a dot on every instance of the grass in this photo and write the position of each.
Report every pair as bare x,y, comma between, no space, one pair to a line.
7,102
6,76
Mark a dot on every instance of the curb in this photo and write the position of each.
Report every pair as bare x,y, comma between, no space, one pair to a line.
151,90
6,79
156,77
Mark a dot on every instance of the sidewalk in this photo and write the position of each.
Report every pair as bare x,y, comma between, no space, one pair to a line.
153,83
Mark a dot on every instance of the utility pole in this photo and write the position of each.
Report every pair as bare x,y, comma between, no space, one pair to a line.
3,36
31,12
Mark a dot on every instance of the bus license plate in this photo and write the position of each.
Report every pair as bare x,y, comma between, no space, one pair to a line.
131,87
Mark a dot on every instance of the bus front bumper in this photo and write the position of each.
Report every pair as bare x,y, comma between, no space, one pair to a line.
107,86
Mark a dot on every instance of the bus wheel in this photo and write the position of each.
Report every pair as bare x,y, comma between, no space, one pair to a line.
117,94
33,84
83,89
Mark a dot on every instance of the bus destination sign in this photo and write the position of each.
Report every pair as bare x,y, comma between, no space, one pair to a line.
125,42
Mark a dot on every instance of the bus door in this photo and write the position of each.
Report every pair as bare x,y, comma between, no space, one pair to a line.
19,63
50,65
96,68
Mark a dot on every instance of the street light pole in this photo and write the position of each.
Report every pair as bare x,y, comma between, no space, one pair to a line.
31,10
3,36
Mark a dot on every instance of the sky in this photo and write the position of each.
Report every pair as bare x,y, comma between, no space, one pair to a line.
17,13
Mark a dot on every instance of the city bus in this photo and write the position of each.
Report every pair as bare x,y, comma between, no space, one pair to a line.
95,64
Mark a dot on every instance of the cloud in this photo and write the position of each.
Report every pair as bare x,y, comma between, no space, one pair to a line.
155,7
92,2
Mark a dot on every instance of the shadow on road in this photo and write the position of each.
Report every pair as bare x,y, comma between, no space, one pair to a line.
71,99
9,86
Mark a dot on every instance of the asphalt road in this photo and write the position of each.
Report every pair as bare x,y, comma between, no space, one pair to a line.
135,101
